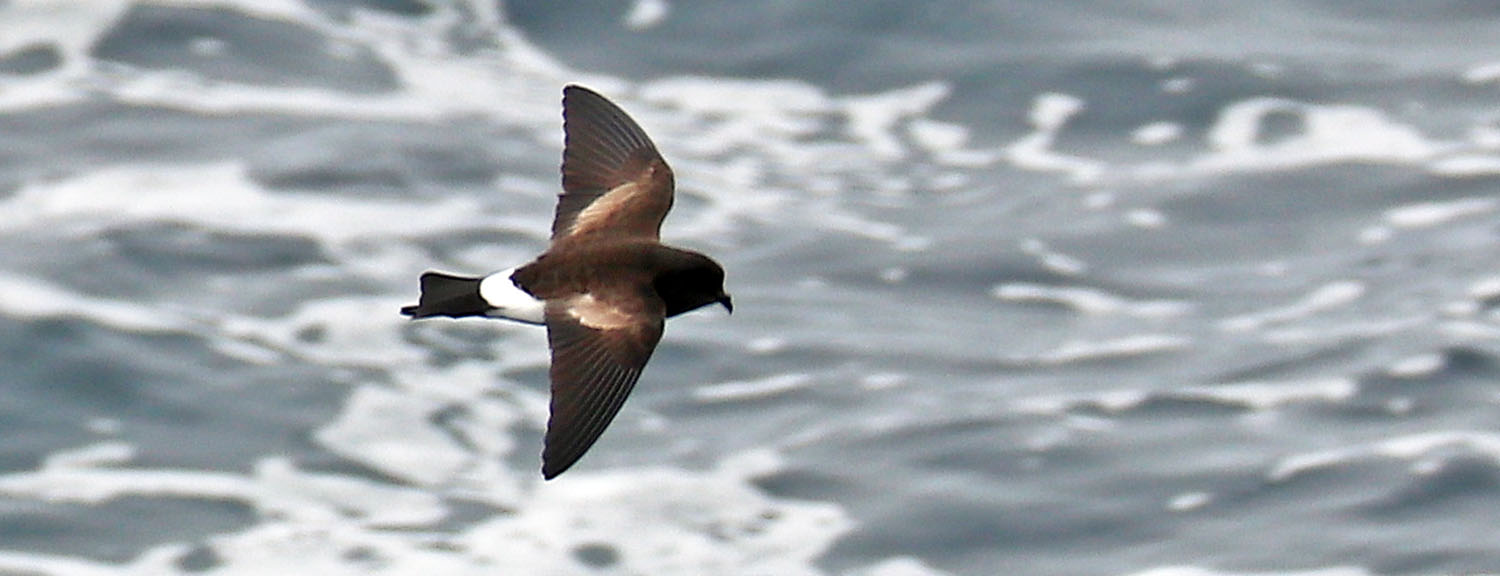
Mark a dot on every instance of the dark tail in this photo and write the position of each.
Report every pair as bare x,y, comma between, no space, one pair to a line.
445,295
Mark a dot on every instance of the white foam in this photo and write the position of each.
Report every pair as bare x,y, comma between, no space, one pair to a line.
1189,501
299,494
421,453
902,566
1400,406
894,275
1304,334
948,143
283,10
446,428
873,119
1483,73
223,197
752,389
882,380
895,235
24,563
766,345
51,90
1052,259
668,522
1099,200
1373,235
646,14
1256,396
1057,404
1415,448
1419,366
1467,165
1429,214
84,485
1329,134
1470,330
1088,300
31,299
1268,395
367,238
434,80
302,503
1327,297
1049,113
741,139
1326,134
655,521
1123,347
1485,136
1485,288
1146,218
1196,571
1269,70
737,113
72,27
353,332
1052,111
104,426
1156,133
93,456
1178,85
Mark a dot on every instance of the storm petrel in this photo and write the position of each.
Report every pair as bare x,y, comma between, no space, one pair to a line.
605,286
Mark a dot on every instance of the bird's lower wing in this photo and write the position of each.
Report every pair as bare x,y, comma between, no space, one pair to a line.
597,356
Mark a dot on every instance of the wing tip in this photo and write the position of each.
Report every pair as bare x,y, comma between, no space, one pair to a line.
572,88
590,385
606,124
550,471
559,455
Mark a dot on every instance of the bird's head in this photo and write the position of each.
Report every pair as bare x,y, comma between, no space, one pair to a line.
694,282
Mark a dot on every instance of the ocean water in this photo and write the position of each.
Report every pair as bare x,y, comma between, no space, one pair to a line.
1073,288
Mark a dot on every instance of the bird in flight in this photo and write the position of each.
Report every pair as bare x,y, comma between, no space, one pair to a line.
605,286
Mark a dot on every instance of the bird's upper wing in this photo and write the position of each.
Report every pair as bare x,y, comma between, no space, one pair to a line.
599,347
615,184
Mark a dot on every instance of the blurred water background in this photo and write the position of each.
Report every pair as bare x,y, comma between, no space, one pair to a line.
1142,287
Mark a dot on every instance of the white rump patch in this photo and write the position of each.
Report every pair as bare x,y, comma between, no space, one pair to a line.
510,301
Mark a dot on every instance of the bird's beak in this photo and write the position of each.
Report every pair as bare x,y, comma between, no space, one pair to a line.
726,303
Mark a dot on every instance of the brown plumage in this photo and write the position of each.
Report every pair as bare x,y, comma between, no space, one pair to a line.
606,283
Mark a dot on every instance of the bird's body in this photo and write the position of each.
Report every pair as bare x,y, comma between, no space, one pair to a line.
605,286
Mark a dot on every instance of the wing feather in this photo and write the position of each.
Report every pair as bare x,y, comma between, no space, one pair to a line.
593,371
615,183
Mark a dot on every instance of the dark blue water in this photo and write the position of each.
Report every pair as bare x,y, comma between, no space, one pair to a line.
1084,288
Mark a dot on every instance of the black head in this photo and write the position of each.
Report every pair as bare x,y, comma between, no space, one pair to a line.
695,282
